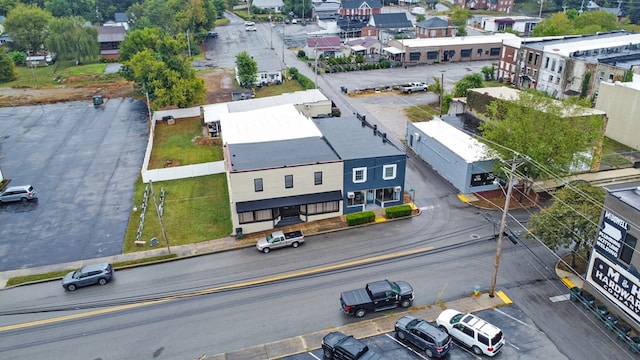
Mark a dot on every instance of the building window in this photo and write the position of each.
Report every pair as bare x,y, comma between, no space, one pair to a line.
414,56
389,172
610,77
628,248
537,59
553,65
254,216
494,51
257,185
317,178
320,208
560,67
546,63
465,53
550,78
530,57
288,181
432,55
360,175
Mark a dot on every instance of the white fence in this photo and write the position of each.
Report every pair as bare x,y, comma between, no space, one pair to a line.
177,172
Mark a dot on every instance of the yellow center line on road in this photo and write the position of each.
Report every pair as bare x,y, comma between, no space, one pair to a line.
216,289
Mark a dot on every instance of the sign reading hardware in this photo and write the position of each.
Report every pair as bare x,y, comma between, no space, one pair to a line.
611,235
617,284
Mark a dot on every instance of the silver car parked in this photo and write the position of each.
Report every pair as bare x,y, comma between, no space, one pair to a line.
18,193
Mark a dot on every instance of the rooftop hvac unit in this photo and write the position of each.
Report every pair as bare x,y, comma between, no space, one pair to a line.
397,189
351,195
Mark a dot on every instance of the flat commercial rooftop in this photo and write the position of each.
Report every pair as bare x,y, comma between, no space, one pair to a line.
462,144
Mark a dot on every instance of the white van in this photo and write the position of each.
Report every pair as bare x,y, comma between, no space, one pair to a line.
472,332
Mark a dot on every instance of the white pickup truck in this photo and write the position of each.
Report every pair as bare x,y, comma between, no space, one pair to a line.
278,239
413,87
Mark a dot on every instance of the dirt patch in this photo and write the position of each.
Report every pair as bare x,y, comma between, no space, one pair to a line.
218,82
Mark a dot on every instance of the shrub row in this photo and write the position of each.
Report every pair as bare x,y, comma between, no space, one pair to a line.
302,80
360,218
398,211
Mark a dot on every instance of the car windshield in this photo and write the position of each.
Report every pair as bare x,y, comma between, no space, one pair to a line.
456,318
76,274
394,287
269,238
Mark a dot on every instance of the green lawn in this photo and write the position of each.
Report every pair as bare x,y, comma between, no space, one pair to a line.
55,74
178,143
195,210
288,86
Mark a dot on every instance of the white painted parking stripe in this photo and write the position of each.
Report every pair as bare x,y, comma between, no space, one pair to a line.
315,357
514,319
559,298
430,207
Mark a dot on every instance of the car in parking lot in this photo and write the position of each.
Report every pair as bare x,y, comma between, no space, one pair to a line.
99,274
18,193
472,332
423,335
212,35
249,23
251,28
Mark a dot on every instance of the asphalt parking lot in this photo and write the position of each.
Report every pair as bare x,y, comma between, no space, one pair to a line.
523,341
83,162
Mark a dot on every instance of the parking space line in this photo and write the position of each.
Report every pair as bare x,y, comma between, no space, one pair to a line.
315,357
504,297
567,282
516,320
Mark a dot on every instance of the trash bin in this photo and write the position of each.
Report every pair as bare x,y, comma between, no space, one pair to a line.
98,100
622,331
601,311
239,233
575,294
610,322
588,301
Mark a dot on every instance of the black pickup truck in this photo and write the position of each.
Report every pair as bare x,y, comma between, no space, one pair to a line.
377,296
338,346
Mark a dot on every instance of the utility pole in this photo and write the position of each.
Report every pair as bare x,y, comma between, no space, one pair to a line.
503,223
541,3
188,44
283,63
315,67
155,203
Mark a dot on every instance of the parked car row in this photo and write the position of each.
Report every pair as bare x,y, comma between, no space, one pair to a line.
434,339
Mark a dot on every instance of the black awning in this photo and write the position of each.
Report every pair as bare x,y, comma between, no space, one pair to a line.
244,206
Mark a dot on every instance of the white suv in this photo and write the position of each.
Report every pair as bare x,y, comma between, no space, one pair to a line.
18,193
473,332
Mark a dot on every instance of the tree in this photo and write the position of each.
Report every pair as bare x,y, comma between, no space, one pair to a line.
488,72
459,16
68,8
571,221
420,18
174,17
28,26
471,81
557,24
70,39
548,131
165,85
590,22
247,69
461,31
7,68
6,5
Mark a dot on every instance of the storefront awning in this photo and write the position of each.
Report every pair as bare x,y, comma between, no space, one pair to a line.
254,205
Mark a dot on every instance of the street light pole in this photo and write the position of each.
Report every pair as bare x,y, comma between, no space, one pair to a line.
503,224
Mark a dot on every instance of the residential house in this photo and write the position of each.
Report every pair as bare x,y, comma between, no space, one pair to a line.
120,19
109,38
386,26
269,71
612,274
280,169
373,166
621,102
458,157
323,46
367,45
524,25
435,27
493,5
435,50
